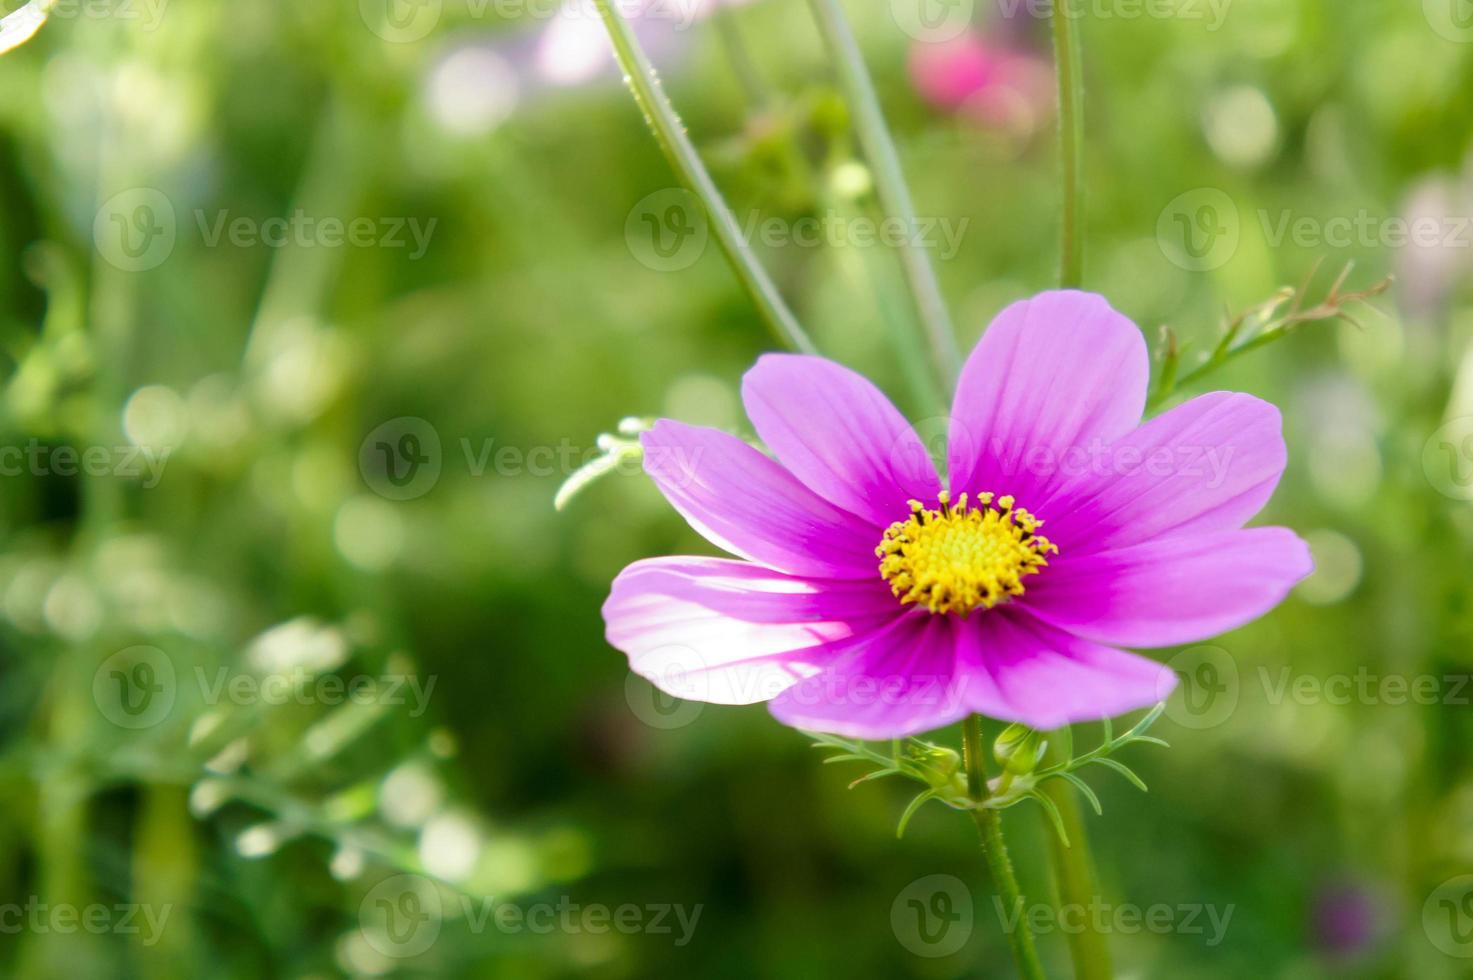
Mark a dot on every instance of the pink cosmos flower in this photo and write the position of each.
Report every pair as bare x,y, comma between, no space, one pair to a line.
871,602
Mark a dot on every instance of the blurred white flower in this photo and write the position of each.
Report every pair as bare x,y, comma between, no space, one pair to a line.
473,87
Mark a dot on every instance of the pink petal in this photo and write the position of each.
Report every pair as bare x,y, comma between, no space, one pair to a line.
1019,669
897,681
1172,590
1051,376
1208,465
729,632
755,594
923,672
748,505
837,432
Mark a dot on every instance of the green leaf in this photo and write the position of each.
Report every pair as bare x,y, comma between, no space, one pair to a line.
1145,723
911,809
1089,794
877,774
1054,817
1125,771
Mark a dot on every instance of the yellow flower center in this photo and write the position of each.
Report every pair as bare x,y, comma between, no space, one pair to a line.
956,558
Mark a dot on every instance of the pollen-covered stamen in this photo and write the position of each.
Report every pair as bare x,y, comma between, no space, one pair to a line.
956,558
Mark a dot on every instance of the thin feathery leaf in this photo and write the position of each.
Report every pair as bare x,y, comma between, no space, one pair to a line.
1089,794
1125,771
910,811
1142,726
877,774
1054,816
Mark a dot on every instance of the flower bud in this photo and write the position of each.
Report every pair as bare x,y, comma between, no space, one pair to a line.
945,761
1016,749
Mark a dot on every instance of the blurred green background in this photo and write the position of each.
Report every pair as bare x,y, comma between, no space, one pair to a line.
197,497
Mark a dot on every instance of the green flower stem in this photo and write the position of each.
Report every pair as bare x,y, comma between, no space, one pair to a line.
670,133
1074,871
894,195
1071,142
989,824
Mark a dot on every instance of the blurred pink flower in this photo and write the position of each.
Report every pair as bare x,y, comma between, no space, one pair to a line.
994,85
